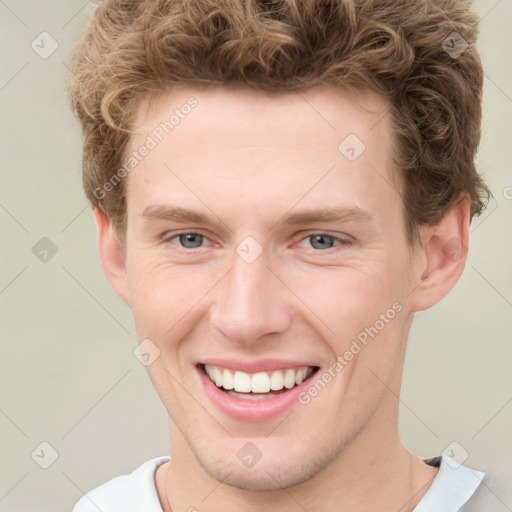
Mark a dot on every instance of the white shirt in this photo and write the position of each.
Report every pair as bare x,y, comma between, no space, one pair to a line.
452,487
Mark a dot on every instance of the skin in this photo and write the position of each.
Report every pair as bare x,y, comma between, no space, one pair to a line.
246,159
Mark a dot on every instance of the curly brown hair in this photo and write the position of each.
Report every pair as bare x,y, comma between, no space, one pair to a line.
420,55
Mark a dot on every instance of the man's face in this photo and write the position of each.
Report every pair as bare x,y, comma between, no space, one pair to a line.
259,287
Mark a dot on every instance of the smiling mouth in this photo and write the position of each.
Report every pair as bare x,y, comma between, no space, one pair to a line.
260,385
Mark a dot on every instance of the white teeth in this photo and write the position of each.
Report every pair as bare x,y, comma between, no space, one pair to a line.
276,381
227,379
242,382
217,376
289,379
299,377
259,383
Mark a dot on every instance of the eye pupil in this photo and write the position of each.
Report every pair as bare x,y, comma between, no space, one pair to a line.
191,240
322,241
194,240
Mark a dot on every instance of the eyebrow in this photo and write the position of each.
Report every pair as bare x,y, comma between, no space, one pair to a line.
175,213
184,215
340,214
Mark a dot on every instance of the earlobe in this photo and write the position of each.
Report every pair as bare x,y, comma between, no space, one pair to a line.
111,256
443,257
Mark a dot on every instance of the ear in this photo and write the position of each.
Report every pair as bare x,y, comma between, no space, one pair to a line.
442,254
111,256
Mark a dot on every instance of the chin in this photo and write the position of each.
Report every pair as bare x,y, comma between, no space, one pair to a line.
266,475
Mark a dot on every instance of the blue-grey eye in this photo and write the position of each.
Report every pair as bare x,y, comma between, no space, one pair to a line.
322,241
191,240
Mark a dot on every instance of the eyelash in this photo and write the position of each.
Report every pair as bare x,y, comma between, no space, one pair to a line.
341,241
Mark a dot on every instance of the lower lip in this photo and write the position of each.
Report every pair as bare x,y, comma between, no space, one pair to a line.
251,410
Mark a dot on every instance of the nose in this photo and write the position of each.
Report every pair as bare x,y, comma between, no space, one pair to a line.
251,302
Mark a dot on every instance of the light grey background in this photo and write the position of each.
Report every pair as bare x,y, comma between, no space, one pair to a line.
69,376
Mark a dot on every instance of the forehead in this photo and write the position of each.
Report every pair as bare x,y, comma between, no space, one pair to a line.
278,147
321,114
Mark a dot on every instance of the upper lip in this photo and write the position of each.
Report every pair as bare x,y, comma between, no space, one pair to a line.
261,365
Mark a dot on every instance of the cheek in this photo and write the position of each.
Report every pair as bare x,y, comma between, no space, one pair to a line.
163,295
359,310
151,292
349,295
